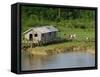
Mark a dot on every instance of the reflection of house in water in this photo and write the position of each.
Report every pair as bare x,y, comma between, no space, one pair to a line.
44,34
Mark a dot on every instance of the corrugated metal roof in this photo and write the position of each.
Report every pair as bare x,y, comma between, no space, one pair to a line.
42,29
45,29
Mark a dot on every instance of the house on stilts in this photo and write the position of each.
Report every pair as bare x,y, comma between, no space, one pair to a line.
42,34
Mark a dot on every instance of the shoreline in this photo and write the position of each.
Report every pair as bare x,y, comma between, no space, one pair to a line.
45,51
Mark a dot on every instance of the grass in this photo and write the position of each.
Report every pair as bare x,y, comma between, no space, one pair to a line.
81,34
81,27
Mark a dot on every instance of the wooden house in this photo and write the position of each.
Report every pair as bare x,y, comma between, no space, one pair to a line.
44,34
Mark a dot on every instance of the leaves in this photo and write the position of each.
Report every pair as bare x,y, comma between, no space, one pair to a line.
65,17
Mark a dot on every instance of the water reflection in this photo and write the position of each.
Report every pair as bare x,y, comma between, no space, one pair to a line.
62,60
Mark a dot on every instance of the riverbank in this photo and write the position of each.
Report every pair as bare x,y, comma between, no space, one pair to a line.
62,47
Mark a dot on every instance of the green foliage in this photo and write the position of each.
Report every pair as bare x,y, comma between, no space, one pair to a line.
78,21
70,18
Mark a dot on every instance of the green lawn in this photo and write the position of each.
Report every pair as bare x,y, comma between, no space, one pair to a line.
81,34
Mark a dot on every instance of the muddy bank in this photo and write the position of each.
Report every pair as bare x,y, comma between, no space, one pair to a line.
43,51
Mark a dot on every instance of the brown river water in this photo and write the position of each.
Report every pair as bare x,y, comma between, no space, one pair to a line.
61,60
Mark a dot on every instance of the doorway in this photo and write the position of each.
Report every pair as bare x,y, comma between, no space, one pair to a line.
30,37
